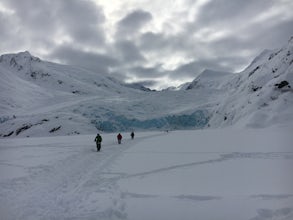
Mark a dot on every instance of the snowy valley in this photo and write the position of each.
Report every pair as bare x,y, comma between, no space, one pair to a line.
227,154
40,98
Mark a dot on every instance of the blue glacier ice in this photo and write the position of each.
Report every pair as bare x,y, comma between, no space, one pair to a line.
112,122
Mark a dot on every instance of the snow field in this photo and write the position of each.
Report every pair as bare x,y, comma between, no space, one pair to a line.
204,174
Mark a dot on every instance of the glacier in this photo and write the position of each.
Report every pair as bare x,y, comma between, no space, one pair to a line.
196,120
39,96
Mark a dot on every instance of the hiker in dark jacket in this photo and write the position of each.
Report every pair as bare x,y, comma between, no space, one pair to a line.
98,141
132,135
119,138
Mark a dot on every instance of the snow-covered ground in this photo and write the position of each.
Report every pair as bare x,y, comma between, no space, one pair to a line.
205,174
235,173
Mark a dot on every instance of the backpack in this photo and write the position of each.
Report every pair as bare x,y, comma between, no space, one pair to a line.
99,138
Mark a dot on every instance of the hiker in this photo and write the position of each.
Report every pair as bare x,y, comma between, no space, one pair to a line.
98,141
132,135
119,138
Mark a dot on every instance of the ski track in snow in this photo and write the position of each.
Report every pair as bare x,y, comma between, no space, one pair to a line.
221,158
64,190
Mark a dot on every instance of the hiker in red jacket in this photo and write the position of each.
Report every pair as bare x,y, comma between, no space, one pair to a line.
119,138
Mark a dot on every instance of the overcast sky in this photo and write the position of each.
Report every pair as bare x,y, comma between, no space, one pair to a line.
159,42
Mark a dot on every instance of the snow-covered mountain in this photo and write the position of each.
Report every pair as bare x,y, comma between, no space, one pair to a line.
261,95
211,79
40,98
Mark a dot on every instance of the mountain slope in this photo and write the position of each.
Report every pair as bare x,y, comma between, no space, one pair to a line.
261,95
41,98
209,79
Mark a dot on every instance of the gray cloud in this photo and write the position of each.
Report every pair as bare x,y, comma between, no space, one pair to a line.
231,12
47,19
223,35
193,68
128,51
146,76
6,31
32,14
154,41
147,72
220,51
82,20
100,63
189,69
270,35
170,43
135,20
132,23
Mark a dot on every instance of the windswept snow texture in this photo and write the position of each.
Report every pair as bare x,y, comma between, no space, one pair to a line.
205,174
